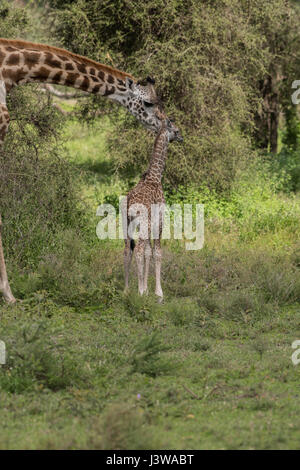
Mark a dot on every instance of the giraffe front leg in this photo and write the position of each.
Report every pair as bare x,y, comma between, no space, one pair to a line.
4,122
140,257
4,284
157,259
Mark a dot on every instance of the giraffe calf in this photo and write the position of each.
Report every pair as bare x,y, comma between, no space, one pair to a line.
143,209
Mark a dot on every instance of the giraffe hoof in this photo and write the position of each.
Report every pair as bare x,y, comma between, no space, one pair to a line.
10,299
160,300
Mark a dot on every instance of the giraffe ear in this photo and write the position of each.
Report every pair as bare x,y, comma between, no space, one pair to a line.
150,80
129,83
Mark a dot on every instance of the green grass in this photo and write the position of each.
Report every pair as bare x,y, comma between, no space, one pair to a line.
232,385
91,368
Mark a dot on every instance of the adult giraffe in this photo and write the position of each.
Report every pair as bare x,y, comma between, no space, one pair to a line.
24,62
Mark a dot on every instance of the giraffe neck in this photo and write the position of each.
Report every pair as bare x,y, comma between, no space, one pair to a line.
24,62
158,159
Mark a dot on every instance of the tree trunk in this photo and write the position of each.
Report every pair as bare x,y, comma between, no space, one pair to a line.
267,119
274,121
262,121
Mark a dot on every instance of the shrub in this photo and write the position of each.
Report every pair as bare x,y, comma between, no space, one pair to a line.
38,360
147,359
37,188
124,427
76,274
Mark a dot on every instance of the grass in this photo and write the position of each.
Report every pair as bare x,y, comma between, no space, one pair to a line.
92,368
219,385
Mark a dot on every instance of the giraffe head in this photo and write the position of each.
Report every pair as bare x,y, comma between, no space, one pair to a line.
141,100
172,131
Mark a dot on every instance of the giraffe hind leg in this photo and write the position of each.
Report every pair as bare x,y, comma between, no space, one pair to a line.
127,261
4,122
148,254
157,258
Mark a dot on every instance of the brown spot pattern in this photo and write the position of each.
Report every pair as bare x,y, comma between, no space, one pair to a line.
101,75
96,89
81,68
109,91
57,77
51,61
32,59
69,66
71,79
85,84
2,57
43,73
13,59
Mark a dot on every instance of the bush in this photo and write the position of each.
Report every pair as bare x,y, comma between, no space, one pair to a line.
38,194
37,188
287,164
147,359
124,427
37,360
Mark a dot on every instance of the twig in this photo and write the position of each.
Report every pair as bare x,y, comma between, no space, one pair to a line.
204,395
192,393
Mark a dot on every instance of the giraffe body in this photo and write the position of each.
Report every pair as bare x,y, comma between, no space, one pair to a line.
24,62
144,206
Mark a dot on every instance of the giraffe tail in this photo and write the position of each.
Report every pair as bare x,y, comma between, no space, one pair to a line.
132,244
